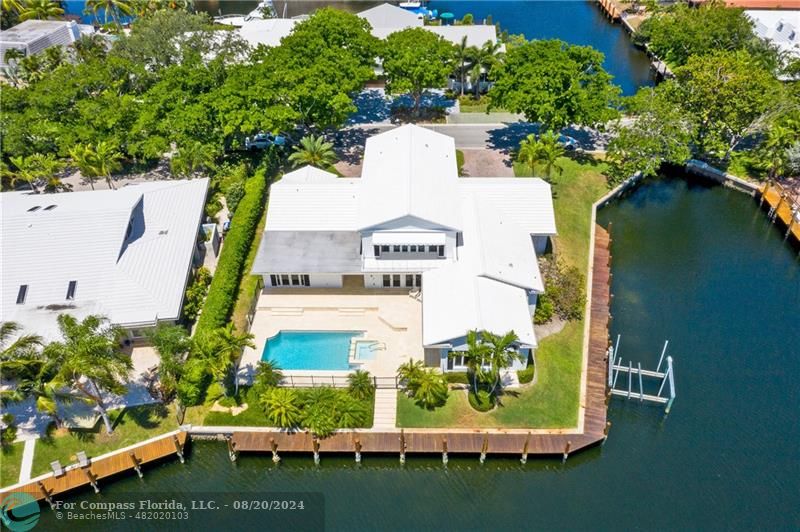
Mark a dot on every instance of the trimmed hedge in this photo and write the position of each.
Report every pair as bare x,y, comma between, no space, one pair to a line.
526,375
457,377
224,289
482,402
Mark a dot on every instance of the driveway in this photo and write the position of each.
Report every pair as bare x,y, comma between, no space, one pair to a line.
486,163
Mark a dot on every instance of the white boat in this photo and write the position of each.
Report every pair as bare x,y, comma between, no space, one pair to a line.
410,5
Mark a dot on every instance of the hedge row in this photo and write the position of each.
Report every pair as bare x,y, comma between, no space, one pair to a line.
224,287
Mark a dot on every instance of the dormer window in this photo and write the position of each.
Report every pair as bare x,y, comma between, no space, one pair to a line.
22,294
71,287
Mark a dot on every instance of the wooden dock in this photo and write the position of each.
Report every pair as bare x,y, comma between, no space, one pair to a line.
127,459
783,206
475,441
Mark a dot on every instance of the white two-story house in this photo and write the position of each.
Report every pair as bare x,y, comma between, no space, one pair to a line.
467,245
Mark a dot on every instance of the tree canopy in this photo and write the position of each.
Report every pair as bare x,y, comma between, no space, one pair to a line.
556,84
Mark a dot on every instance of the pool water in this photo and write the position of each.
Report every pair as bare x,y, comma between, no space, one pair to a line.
318,350
366,350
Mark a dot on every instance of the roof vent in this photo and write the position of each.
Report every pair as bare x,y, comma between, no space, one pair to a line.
50,207
35,208
163,232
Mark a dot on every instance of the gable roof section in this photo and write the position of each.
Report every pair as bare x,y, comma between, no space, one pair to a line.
306,201
83,238
268,32
390,16
528,202
409,171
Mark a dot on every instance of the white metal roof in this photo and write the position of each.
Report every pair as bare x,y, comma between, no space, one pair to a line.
268,32
34,36
528,202
131,280
782,27
409,171
390,16
476,34
313,205
309,174
454,302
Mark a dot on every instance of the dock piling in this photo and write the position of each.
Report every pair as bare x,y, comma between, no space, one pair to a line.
402,447
566,452
605,432
274,446
46,494
135,462
92,480
444,451
357,445
178,448
232,454
315,445
524,459
484,448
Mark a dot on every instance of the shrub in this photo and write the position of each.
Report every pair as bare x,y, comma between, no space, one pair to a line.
282,406
196,293
224,289
360,385
409,372
193,383
565,287
215,391
234,195
350,412
268,375
460,162
430,389
9,433
482,401
526,375
457,377
544,309
229,401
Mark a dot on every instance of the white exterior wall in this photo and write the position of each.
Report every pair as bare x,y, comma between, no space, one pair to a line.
326,280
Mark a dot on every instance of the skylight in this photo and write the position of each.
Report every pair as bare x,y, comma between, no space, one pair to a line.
35,208
50,207
22,294
71,289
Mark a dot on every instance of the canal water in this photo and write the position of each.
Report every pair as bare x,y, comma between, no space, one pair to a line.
574,21
694,263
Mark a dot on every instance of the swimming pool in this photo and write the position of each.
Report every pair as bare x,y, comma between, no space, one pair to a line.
317,350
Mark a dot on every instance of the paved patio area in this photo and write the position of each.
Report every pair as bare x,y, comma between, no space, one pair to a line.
389,316
486,163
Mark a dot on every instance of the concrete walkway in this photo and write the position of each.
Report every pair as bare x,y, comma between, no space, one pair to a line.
385,409
27,460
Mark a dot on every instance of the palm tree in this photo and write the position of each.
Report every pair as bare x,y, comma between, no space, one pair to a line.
21,346
463,55
13,55
34,380
40,10
550,151
54,57
268,375
350,412
475,357
172,343
528,152
107,160
230,345
83,156
89,47
89,360
779,138
313,150
475,77
502,354
408,372
34,168
484,59
11,5
114,7
191,158
431,389
282,406
360,385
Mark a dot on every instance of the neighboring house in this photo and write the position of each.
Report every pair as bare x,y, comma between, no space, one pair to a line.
385,19
125,254
35,36
469,244
780,27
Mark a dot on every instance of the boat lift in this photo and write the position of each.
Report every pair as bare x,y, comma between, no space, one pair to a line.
667,378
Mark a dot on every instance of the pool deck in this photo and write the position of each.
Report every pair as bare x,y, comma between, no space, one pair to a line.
388,316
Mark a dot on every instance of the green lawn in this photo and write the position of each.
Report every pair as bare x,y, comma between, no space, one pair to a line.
10,460
254,416
552,402
131,425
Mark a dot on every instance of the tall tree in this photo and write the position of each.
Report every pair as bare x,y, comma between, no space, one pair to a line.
556,84
115,8
502,354
475,357
107,160
193,157
463,54
89,360
550,151
414,60
35,168
173,344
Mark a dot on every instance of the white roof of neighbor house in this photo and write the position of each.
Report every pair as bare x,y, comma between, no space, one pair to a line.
313,205
782,27
82,237
476,34
454,302
528,202
390,16
268,32
309,174
34,36
409,171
